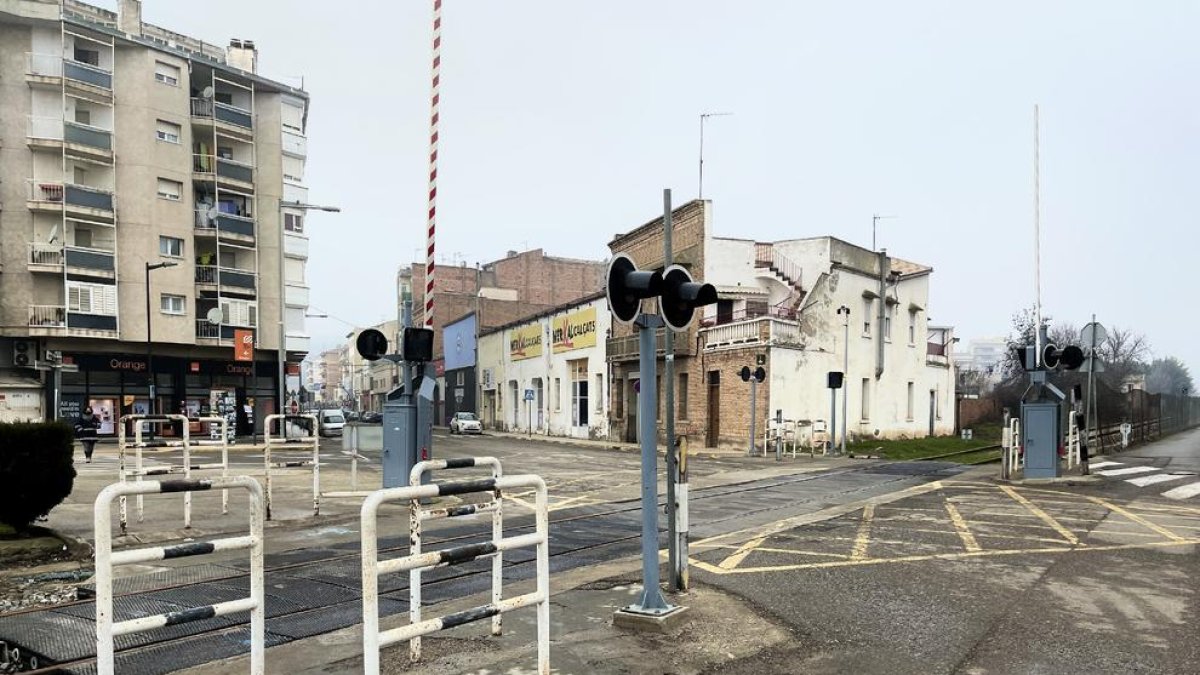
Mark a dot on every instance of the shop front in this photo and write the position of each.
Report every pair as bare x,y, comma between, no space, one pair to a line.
114,385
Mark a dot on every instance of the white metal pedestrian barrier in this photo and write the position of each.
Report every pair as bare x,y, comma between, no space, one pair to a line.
1073,444
107,629
311,441
185,441
372,567
1011,440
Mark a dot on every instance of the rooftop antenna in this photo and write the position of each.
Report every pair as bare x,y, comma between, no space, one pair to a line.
874,223
704,116
1037,235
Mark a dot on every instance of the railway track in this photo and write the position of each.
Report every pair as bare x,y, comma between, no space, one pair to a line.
571,546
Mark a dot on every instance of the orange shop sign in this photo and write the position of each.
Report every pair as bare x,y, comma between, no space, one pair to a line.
243,344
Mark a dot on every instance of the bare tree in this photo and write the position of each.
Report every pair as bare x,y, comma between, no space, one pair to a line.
1124,353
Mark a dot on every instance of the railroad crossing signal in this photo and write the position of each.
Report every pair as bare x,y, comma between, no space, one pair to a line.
679,296
759,374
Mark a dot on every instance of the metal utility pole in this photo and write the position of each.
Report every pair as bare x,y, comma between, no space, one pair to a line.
704,116
753,413
652,601
674,581
1037,237
845,312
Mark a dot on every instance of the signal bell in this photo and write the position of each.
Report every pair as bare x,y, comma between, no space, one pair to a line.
681,296
626,287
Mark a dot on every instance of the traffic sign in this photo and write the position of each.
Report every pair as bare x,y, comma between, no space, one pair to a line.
1093,334
528,394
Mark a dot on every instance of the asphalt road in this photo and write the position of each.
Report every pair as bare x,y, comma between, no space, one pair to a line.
967,576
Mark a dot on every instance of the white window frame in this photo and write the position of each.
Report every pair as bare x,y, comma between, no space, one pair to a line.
168,131
167,73
172,305
868,305
242,313
165,241
865,403
293,222
177,185
912,392
912,328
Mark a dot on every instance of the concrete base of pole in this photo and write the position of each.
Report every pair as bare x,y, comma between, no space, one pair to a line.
655,621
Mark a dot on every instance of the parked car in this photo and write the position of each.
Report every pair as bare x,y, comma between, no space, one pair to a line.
371,417
332,422
350,415
465,423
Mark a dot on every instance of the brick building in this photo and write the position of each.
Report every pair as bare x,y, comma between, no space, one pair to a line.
778,307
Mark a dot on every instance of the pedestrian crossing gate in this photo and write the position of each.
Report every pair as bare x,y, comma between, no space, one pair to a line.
417,560
185,441
283,439
107,629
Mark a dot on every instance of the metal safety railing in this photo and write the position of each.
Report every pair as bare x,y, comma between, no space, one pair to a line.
1074,443
312,440
185,442
372,567
418,515
107,628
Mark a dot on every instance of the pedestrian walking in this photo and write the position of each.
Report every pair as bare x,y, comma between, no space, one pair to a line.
85,432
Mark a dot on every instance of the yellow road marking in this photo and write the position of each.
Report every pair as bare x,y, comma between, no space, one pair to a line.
863,540
764,549
1046,517
964,532
1137,519
741,553
941,556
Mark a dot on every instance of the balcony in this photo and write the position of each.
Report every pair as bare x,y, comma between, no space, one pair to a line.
75,199
295,144
228,226
937,354
228,116
91,262
46,258
298,343
78,140
243,281
295,295
295,246
238,175
47,317
763,331
54,70
626,348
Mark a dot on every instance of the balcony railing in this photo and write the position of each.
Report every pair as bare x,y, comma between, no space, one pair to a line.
44,65
223,112
752,313
46,128
234,224
84,134
90,258
235,170
87,73
50,255
74,195
211,274
47,316
204,329
626,347
764,330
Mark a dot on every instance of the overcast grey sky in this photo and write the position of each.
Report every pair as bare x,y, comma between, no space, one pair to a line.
562,121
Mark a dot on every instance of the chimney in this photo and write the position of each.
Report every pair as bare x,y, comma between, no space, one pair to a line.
242,54
129,16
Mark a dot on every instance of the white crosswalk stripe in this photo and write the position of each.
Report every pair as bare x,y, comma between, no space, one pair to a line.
1129,471
1183,492
1101,465
1143,481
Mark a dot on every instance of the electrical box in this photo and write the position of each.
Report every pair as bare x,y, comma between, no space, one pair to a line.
1041,435
399,421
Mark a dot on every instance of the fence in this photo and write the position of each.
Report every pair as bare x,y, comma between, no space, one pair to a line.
313,440
107,629
372,567
186,443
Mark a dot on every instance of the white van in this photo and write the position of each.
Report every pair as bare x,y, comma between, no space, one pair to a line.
332,422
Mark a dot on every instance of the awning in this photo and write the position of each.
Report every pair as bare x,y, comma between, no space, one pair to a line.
11,380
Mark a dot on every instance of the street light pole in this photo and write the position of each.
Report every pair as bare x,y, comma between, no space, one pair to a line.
150,407
845,312
282,350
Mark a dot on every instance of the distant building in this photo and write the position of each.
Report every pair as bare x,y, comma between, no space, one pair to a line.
546,374
981,355
777,308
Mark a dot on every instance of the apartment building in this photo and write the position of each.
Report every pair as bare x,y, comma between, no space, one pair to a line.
131,153
778,308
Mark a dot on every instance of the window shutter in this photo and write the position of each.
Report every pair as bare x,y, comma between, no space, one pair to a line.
251,314
73,298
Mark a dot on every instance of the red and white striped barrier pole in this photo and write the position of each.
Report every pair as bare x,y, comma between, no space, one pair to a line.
433,153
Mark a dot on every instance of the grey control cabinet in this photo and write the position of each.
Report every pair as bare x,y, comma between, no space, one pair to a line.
1041,435
399,421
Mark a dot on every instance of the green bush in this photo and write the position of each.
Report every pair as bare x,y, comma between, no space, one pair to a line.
36,471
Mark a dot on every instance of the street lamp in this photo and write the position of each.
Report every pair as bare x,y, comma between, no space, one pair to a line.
844,312
150,407
282,353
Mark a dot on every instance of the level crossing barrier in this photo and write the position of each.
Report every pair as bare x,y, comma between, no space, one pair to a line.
107,629
372,567
311,441
185,441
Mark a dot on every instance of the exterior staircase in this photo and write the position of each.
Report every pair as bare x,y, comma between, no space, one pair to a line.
784,269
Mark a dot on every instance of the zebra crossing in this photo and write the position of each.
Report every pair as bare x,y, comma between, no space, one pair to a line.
1146,476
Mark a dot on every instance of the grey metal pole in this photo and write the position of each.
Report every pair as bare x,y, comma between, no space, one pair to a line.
1089,402
845,382
673,579
833,416
753,412
149,353
652,600
282,352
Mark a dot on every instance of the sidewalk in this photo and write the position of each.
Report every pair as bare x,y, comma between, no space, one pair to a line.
694,450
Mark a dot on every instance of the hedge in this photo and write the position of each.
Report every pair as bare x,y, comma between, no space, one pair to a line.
36,471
